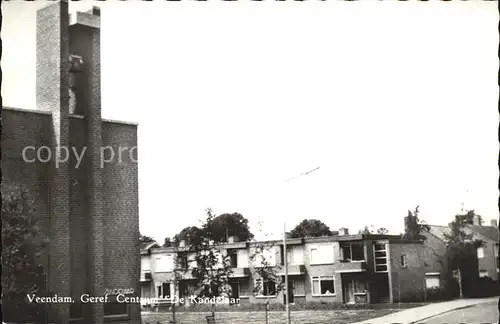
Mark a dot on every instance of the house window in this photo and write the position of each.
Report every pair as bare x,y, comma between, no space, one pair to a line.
164,263
233,257
480,252
353,252
483,274
186,289
323,286
314,255
114,308
380,255
183,262
321,254
164,290
265,256
432,280
404,261
266,288
289,256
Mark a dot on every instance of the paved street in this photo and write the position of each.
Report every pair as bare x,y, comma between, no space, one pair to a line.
423,313
478,314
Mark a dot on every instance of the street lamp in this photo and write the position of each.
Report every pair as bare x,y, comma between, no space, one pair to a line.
287,303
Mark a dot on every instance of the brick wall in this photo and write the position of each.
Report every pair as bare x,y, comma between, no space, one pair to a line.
408,283
80,228
489,261
18,127
121,211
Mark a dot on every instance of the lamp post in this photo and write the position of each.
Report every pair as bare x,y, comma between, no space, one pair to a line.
285,258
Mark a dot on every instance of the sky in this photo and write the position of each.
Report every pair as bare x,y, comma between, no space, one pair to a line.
395,102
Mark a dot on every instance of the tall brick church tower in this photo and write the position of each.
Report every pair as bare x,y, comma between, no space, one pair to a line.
87,209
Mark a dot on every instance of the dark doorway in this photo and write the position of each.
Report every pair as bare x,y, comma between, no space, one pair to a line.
290,292
235,289
380,289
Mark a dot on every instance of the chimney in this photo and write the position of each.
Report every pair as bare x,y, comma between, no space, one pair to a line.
494,223
232,239
343,231
476,220
407,224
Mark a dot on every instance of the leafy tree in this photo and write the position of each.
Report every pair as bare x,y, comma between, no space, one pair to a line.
311,228
367,230
462,248
167,242
382,231
225,225
266,271
146,239
190,234
21,274
468,217
211,268
414,227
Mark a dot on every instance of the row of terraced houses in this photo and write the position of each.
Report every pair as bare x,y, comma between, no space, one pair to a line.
344,268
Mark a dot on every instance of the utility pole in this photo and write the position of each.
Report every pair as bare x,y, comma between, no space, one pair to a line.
459,275
285,258
287,301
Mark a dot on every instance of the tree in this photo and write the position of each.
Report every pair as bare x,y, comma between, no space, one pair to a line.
266,271
146,239
469,216
367,230
311,228
21,274
414,227
190,234
226,225
382,231
211,268
462,248
167,242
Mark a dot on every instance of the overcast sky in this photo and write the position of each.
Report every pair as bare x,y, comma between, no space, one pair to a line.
396,102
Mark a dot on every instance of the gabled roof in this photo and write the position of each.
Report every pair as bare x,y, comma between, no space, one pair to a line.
145,246
489,233
439,231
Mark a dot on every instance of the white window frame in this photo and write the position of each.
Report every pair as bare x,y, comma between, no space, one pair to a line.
159,289
319,279
164,258
480,252
318,248
386,257
261,291
290,256
344,245
484,274
404,260
433,275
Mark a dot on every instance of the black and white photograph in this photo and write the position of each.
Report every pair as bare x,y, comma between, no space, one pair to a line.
250,162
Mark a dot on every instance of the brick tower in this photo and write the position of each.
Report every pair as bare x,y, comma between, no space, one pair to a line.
88,253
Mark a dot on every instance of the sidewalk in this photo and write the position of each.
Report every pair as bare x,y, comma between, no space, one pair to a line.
419,314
